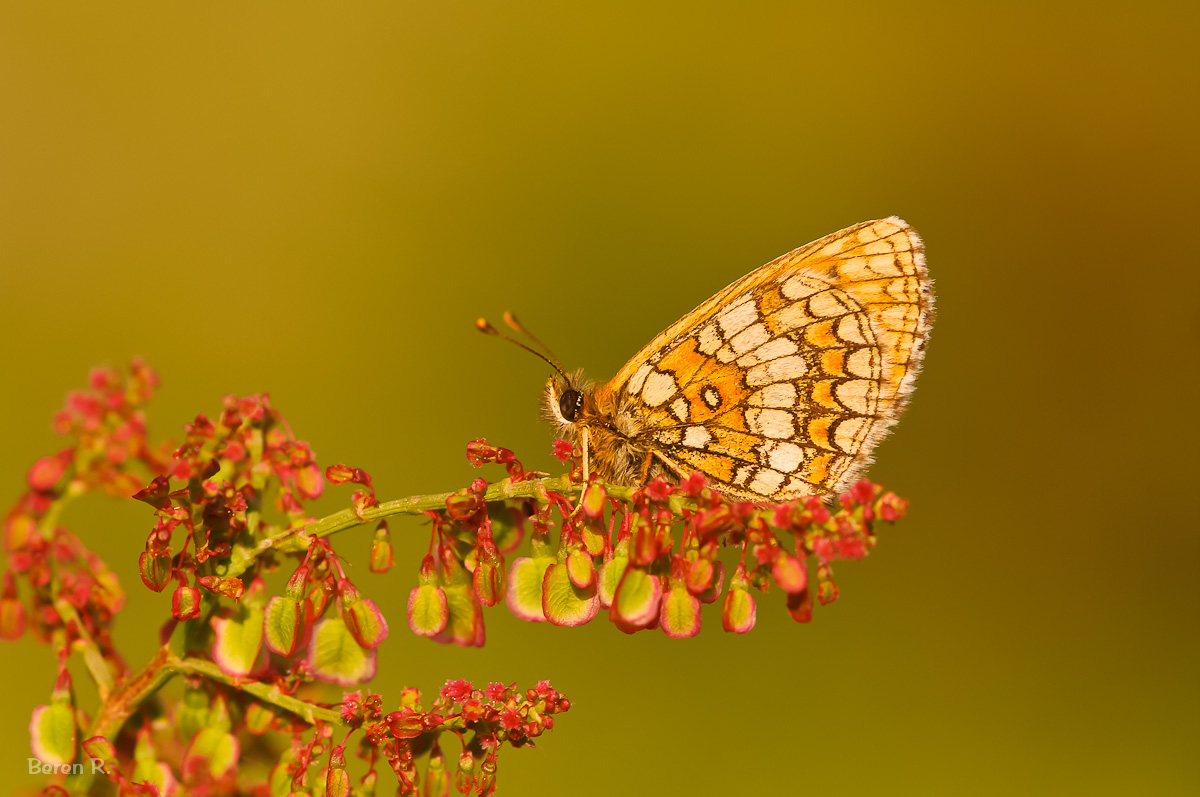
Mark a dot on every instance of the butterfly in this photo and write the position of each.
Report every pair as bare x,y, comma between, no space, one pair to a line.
779,386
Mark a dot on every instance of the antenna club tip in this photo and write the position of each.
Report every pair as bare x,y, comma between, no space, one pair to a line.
483,326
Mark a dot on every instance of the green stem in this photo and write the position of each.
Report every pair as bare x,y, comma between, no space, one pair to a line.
416,504
165,665
132,693
297,539
308,712
92,656
54,511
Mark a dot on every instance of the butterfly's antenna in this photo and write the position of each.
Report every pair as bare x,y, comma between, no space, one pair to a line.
483,326
515,325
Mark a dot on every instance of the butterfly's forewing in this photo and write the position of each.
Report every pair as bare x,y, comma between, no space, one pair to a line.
782,383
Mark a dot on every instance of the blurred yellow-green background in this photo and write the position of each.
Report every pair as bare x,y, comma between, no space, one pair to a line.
317,201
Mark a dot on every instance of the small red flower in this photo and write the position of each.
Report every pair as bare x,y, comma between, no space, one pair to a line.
510,718
891,507
863,492
693,484
658,489
457,690
817,510
563,451
351,711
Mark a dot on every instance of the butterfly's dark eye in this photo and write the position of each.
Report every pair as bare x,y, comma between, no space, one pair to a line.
569,403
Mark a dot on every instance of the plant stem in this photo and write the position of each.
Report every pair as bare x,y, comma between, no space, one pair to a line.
164,666
297,539
92,656
309,712
416,504
132,693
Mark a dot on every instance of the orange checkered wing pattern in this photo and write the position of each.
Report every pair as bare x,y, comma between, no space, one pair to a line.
782,384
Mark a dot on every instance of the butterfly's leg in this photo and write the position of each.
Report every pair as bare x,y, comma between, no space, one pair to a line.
645,474
583,439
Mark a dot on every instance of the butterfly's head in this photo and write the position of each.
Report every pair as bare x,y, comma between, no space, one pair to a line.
563,402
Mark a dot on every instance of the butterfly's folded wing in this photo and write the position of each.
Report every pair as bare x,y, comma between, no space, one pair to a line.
782,383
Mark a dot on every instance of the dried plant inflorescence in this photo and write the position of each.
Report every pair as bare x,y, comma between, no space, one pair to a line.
230,505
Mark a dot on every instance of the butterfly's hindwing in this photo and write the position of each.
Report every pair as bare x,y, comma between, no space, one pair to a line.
781,384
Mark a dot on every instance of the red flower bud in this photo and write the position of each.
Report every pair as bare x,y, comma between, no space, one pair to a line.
363,618
715,520
308,481
644,548
637,601
739,613
285,625
229,587
800,606
581,569
790,573
817,509
699,576
693,484
155,569
297,583
46,472
593,500
12,611
485,785
489,576
318,598
463,504
339,474
185,603
405,723
18,531
891,507
156,494
480,453
464,778
382,558
863,492
827,591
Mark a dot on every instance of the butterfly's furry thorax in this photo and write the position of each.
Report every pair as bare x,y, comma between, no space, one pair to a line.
573,404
